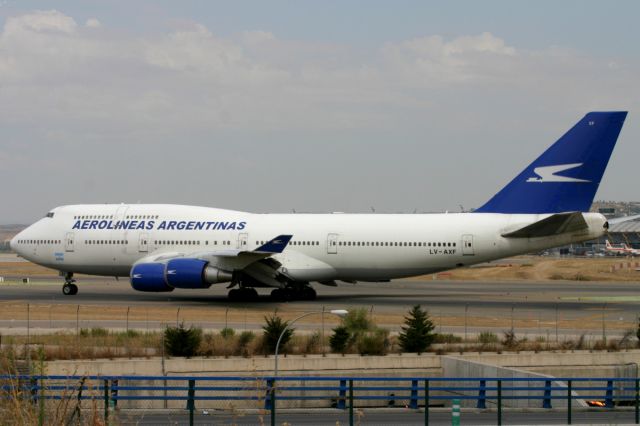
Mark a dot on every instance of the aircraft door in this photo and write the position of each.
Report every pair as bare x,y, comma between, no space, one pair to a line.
120,234
467,245
143,242
68,242
332,244
243,241
122,208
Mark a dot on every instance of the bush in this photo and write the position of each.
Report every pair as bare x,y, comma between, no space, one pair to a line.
313,343
227,332
417,333
244,340
272,331
357,321
207,345
374,342
510,341
339,340
446,338
487,337
181,341
98,332
132,333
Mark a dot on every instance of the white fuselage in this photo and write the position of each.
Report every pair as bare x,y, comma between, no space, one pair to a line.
110,239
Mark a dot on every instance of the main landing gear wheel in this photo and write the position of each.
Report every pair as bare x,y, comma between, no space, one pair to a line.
308,293
69,289
287,294
282,295
243,294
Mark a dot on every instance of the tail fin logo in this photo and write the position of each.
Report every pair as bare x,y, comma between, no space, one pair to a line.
548,174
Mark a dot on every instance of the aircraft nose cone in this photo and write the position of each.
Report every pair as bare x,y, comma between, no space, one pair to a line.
13,243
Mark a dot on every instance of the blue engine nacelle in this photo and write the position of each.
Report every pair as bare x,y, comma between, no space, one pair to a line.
187,273
176,273
149,277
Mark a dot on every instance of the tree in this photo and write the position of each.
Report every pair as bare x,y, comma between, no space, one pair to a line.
339,340
417,333
181,341
272,330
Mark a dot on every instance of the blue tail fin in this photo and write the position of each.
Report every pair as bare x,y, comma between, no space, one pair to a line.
566,176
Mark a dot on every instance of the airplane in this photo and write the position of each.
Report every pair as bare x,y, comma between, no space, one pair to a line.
163,247
620,249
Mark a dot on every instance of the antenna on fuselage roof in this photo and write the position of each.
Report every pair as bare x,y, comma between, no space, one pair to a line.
373,210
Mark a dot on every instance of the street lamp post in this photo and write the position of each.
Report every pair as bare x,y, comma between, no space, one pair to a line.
339,312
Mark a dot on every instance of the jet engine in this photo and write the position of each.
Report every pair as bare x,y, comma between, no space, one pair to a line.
176,273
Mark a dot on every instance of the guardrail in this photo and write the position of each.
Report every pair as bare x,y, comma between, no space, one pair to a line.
343,393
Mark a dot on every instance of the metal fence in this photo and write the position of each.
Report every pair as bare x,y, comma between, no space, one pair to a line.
111,393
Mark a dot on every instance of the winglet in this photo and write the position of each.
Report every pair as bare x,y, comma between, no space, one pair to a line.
276,245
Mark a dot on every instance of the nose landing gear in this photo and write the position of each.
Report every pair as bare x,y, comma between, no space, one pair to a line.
69,288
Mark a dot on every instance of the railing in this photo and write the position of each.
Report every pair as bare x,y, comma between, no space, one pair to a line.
343,393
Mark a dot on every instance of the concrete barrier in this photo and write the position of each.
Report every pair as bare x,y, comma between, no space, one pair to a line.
524,364
458,367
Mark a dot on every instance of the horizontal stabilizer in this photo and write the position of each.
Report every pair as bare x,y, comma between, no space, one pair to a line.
623,219
276,245
553,225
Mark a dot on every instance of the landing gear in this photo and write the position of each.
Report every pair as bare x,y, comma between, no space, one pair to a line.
243,294
304,292
308,293
69,288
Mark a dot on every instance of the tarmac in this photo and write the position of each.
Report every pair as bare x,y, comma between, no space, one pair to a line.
548,309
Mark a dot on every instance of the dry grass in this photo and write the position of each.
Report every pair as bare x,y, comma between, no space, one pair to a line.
18,406
26,269
536,268
89,344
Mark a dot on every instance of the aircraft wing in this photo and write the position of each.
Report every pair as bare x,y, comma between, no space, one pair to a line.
231,259
555,224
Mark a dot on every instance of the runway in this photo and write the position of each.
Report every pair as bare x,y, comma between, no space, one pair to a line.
536,308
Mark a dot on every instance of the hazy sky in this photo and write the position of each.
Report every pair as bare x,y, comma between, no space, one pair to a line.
305,105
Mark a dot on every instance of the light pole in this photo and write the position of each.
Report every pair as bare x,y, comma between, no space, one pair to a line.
339,312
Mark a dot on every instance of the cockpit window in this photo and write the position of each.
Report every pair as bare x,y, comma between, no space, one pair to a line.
50,214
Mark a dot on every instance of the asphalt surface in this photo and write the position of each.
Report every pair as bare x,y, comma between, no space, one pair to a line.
538,304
